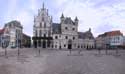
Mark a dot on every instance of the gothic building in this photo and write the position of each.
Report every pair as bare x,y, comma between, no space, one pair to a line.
63,35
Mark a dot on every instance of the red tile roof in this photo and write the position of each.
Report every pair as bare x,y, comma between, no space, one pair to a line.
113,33
1,31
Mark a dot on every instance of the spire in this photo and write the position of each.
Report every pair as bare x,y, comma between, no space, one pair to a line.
89,29
62,16
43,5
76,19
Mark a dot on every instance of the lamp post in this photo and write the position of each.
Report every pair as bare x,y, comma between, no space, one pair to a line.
5,44
18,45
107,47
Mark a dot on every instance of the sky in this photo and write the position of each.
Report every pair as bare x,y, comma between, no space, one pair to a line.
99,15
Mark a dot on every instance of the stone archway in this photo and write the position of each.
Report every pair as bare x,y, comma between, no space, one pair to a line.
70,44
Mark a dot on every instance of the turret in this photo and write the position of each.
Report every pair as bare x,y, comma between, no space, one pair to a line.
76,21
89,29
62,18
43,6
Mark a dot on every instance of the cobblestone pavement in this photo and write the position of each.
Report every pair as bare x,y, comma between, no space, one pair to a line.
61,62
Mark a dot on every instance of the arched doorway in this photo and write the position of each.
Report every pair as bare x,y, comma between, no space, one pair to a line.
70,44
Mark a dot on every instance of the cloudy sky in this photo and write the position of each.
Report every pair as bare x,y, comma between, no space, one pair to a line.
99,15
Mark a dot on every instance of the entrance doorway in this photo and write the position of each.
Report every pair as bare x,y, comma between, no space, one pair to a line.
69,46
44,44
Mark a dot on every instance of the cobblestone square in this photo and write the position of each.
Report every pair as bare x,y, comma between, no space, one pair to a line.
62,62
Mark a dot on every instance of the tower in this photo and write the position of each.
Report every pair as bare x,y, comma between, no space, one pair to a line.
62,18
76,21
42,28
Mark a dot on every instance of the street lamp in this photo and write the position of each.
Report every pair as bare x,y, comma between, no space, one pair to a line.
18,45
5,43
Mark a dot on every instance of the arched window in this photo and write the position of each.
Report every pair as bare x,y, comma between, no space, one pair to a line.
40,33
44,24
44,35
56,37
66,37
40,24
36,33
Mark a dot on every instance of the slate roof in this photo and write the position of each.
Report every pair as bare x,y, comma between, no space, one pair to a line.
56,27
15,23
68,20
85,35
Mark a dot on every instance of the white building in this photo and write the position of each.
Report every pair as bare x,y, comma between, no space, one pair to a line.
116,38
110,39
63,35
13,30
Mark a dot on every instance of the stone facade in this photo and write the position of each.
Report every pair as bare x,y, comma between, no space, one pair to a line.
63,35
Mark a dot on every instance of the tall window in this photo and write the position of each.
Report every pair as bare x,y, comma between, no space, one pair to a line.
40,24
73,38
42,18
56,37
40,33
36,33
66,37
44,35
44,24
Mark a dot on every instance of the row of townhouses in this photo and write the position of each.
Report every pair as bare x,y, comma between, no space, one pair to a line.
51,35
112,39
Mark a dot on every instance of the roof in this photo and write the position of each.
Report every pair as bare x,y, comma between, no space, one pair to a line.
68,20
114,33
15,23
56,27
1,31
85,35
111,33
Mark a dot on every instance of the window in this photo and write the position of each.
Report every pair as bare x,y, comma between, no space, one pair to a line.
44,24
36,33
66,37
40,33
42,18
73,29
40,24
55,46
44,35
78,46
56,37
73,38
64,45
66,28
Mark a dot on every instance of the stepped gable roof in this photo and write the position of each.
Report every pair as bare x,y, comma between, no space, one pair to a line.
85,35
68,20
56,27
